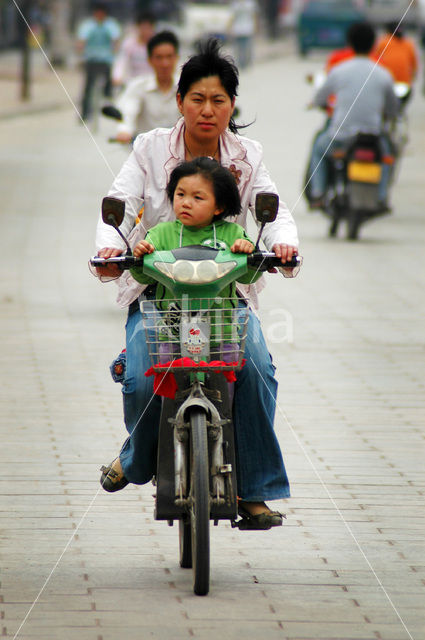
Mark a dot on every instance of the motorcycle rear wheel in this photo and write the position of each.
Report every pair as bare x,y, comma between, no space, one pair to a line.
200,502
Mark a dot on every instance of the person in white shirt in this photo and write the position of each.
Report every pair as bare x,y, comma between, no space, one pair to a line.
150,101
132,58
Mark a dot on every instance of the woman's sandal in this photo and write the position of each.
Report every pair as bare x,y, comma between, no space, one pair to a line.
113,479
260,521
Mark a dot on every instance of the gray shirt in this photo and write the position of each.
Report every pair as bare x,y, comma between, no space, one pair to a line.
364,97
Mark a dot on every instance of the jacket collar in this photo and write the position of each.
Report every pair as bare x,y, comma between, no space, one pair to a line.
232,152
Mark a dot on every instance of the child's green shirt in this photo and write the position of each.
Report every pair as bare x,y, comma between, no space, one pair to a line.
170,235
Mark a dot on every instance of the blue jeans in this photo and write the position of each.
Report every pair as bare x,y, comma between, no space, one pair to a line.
318,161
261,472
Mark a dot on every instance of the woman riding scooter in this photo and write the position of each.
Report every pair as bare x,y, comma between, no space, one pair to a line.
206,95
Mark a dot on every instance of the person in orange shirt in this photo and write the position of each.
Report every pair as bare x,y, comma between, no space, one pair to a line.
398,54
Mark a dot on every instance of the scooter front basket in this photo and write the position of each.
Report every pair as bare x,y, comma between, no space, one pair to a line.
212,339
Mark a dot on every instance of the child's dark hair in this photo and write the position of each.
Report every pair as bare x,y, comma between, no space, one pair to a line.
163,37
210,62
226,192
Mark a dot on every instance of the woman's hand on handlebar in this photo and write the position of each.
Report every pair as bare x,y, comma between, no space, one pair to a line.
285,252
142,248
111,270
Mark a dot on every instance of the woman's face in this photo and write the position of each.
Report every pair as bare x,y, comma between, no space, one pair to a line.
206,108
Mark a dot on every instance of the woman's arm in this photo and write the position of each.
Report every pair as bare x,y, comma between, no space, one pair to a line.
128,186
283,230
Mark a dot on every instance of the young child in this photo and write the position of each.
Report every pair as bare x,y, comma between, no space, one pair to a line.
203,194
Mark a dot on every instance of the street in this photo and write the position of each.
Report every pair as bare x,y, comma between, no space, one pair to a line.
347,339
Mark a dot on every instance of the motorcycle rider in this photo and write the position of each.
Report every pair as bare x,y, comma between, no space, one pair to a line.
397,53
206,96
364,98
150,101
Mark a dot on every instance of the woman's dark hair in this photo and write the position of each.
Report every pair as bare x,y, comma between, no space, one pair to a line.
361,36
163,37
210,62
225,190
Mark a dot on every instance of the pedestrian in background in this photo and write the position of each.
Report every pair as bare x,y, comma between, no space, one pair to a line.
149,102
243,27
97,41
132,59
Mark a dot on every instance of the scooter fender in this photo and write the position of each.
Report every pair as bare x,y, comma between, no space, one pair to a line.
197,398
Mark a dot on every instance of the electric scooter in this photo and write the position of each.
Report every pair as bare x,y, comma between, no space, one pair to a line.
195,350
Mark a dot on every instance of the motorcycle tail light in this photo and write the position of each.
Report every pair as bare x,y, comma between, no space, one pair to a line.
364,155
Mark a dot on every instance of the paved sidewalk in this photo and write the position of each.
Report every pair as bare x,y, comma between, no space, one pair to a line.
80,564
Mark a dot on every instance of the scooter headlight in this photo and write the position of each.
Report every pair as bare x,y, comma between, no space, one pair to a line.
207,271
195,271
184,271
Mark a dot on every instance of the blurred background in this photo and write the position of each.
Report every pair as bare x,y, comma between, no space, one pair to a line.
314,23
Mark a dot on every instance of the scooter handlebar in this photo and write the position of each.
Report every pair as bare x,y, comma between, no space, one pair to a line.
261,260
265,260
125,262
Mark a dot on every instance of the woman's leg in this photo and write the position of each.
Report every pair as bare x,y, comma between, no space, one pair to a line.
142,408
261,472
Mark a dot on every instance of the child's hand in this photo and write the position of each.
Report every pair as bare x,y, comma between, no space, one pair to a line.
242,246
143,247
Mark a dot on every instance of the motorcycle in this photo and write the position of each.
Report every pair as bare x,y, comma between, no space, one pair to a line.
352,193
195,351
355,171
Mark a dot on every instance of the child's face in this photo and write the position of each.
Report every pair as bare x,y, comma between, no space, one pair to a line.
194,202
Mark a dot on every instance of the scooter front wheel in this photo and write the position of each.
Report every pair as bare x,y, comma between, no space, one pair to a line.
199,502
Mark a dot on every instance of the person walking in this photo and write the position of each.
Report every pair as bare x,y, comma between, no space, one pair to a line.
97,41
242,29
132,60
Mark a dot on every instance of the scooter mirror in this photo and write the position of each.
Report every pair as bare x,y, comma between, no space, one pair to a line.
266,206
113,210
112,112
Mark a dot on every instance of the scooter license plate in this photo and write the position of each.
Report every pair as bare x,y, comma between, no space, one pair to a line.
364,172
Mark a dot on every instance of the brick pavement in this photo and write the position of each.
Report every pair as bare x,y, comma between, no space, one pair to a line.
349,561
